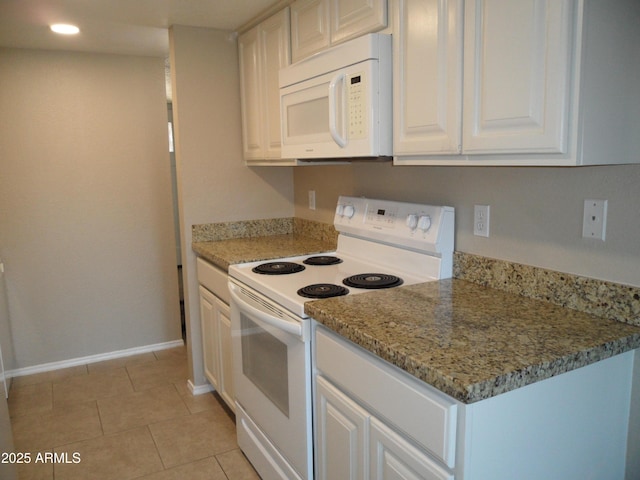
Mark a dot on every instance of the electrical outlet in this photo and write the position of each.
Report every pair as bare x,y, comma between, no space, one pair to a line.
594,219
312,199
481,220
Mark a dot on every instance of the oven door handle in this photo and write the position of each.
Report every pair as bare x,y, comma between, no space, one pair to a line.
280,324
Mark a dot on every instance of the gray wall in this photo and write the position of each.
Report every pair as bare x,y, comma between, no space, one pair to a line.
86,229
213,183
536,213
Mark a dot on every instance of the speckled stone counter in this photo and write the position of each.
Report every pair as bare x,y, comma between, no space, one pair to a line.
241,250
226,243
470,341
597,297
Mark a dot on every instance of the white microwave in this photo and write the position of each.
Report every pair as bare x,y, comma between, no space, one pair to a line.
337,104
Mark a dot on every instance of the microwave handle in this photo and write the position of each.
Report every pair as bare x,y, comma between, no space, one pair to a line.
333,110
284,325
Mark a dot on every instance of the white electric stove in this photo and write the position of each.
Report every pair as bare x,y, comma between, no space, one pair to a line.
381,244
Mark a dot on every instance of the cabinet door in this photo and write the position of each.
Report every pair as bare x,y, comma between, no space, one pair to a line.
226,388
427,83
250,95
208,320
341,435
309,27
516,75
394,458
352,18
275,53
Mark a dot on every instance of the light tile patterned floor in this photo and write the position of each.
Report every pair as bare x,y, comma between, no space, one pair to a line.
124,419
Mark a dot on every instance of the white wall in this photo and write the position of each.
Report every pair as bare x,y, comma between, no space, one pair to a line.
86,228
213,183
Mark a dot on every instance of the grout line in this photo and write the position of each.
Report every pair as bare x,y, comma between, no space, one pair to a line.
220,465
100,417
155,444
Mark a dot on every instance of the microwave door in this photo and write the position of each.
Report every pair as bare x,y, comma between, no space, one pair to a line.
305,111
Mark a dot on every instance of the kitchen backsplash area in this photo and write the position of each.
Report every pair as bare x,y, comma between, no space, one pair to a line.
597,297
213,232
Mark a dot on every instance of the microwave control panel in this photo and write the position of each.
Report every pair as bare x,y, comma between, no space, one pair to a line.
356,104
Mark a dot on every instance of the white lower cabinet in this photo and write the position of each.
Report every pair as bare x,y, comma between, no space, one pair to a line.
226,391
209,309
393,457
366,426
353,444
216,331
342,435
374,421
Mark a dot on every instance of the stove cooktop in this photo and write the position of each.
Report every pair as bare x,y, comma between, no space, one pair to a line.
348,276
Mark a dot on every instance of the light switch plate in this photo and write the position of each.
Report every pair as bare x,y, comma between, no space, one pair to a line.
594,219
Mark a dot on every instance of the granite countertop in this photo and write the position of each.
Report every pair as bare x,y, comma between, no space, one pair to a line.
469,341
223,253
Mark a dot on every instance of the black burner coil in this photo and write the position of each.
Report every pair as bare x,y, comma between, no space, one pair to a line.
372,281
322,260
278,268
322,290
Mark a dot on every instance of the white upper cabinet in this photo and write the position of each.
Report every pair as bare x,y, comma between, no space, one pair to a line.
309,28
353,18
545,82
427,77
318,24
263,50
250,95
517,67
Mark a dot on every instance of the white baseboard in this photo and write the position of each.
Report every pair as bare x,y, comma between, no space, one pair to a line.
199,389
48,367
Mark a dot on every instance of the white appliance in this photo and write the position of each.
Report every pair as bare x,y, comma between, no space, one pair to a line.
7,354
7,469
337,103
382,244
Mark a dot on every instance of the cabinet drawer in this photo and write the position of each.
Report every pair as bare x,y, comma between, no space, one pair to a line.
411,406
213,279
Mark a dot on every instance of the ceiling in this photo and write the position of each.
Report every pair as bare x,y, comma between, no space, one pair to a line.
131,27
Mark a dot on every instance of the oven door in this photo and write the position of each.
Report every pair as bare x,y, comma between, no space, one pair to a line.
272,375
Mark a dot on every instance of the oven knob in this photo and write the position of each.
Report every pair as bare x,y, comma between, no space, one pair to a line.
412,221
349,211
424,223
340,210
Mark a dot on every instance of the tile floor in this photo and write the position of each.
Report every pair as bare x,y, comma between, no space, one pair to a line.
128,418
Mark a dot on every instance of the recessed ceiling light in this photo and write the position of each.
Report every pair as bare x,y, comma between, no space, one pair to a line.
65,29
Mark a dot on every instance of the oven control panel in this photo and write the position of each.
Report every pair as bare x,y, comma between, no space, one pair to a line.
384,216
423,227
